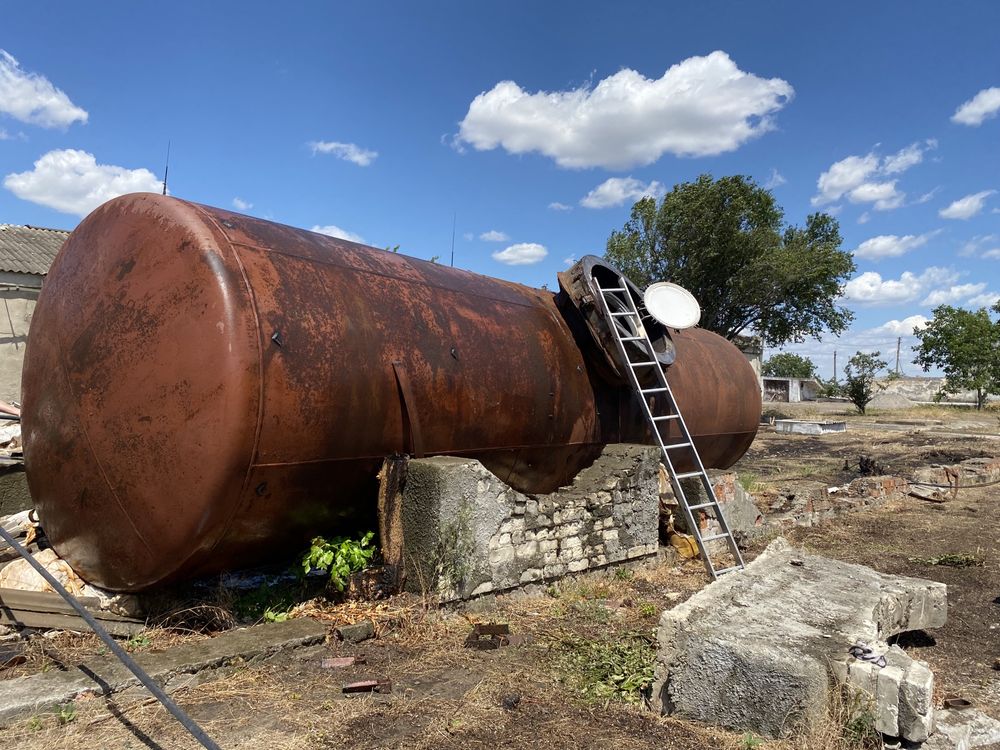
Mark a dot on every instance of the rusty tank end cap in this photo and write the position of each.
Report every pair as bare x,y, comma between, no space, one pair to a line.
579,283
143,366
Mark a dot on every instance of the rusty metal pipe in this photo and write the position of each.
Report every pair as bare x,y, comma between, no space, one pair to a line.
202,387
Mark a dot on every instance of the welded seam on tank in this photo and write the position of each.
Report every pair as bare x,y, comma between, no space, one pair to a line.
419,282
90,444
260,370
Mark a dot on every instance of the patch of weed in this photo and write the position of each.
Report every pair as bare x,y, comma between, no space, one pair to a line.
67,713
950,560
603,670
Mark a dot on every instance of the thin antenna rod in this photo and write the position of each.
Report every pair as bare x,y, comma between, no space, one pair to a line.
454,220
166,169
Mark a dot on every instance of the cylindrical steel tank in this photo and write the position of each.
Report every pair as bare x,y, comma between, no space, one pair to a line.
203,390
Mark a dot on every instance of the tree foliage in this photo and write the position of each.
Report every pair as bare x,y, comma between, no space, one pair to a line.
726,241
859,373
965,345
788,365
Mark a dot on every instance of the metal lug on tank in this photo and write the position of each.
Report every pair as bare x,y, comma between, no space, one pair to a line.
261,489
454,352
277,339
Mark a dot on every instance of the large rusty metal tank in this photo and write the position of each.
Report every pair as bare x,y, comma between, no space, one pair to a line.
204,390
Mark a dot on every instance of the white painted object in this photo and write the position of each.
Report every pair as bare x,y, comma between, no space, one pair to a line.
672,305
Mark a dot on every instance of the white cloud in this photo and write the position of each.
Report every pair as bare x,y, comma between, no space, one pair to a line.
775,180
616,190
557,206
891,245
332,230
871,289
241,205
701,106
905,158
31,98
987,299
73,182
468,236
980,245
967,207
569,260
953,293
902,327
856,178
494,236
521,254
979,108
346,151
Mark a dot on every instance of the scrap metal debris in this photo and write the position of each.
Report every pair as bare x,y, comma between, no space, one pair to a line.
368,686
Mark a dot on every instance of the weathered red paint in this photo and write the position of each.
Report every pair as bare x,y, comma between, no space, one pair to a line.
204,390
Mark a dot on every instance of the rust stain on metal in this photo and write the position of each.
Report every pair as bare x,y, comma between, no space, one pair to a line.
236,390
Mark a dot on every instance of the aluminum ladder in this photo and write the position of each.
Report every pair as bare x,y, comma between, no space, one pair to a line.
620,298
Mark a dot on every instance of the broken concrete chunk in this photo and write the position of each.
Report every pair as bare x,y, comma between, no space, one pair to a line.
755,650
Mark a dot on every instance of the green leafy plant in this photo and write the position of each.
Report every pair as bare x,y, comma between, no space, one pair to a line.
339,557
137,642
34,724
647,609
624,574
749,741
67,713
603,670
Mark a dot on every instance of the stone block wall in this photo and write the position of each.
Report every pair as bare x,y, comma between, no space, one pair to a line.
466,533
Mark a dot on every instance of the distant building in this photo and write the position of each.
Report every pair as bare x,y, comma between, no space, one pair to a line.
753,349
789,390
25,256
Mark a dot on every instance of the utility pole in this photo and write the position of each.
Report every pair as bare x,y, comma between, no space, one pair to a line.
899,340
166,168
834,366
454,220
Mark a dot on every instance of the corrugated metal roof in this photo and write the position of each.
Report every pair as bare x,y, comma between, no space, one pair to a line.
29,249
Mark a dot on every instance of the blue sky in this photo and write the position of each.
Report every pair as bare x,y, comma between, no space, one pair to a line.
537,125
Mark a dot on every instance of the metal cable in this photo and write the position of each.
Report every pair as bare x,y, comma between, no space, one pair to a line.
188,723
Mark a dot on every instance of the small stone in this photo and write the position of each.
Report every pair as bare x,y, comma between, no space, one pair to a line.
359,631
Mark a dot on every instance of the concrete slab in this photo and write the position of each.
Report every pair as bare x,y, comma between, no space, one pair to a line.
756,649
804,427
963,730
26,696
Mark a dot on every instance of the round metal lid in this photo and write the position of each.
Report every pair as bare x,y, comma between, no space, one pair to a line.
672,305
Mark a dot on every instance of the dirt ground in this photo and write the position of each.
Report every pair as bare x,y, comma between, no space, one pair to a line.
585,642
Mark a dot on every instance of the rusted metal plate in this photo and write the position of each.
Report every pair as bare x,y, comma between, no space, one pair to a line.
206,390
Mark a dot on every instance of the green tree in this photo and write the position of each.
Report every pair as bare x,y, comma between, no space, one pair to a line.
859,374
965,345
787,365
726,241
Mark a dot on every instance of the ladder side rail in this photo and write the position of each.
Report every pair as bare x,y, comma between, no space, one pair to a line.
686,437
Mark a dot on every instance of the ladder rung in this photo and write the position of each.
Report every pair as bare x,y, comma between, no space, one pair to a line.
652,390
699,506
609,290
676,445
713,537
688,475
623,314
666,417
633,338
728,570
633,365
